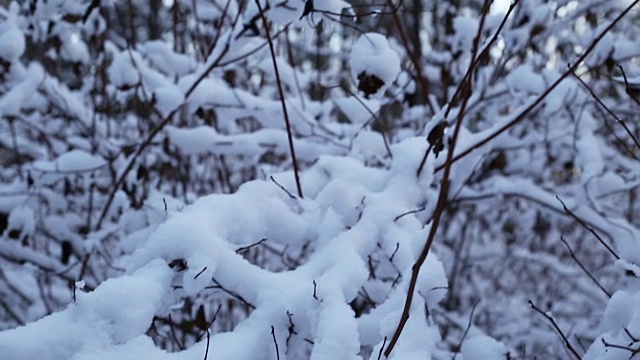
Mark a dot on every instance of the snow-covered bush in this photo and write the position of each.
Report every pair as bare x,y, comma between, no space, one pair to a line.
321,179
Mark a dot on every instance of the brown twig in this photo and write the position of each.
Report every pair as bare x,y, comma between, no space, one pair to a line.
374,117
444,190
233,294
292,149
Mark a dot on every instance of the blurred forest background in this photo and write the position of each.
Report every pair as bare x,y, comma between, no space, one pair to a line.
103,106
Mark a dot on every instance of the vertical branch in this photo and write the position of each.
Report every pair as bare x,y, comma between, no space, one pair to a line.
444,188
284,105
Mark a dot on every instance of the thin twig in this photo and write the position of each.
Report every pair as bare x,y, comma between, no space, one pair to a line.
291,328
466,331
567,344
232,293
292,149
384,342
584,268
245,248
618,119
282,187
408,213
315,285
275,341
394,252
206,351
588,228
627,87
615,346
173,333
374,117
200,273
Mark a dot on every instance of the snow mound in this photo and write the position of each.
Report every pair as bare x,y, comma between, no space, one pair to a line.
374,64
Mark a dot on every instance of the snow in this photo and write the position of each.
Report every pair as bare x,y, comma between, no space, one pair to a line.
286,72
75,49
588,156
483,348
370,145
18,97
122,72
466,28
337,331
71,161
206,140
350,211
64,98
168,98
621,317
625,49
619,311
524,78
372,54
192,141
165,59
22,218
12,43
356,111
97,319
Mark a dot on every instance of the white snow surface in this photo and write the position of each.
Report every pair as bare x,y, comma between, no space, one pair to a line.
348,212
168,98
18,97
71,161
621,317
12,43
97,321
122,71
483,348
